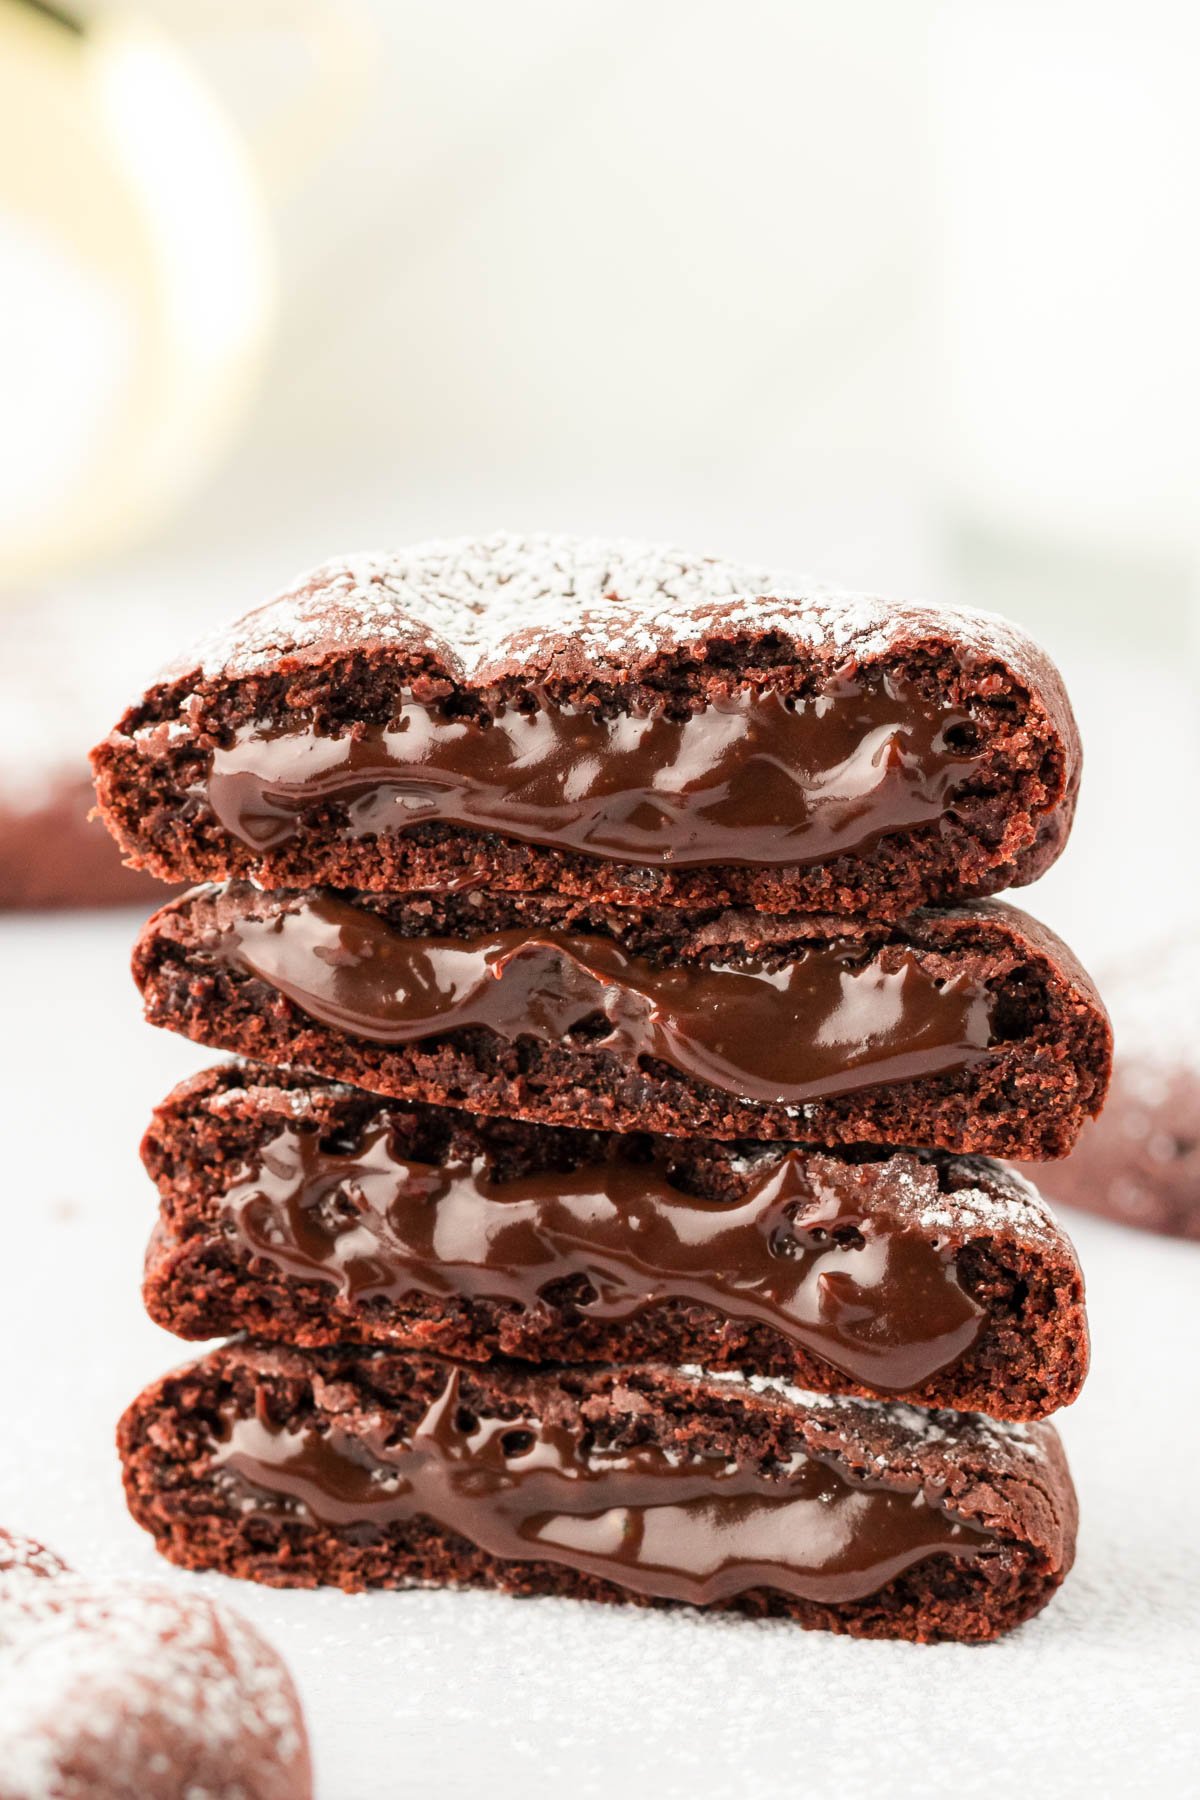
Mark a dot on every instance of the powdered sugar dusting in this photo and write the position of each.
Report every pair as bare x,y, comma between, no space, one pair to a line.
1002,1203
917,1426
477,603
301,1102
758,1384
164,1693
23,1560
961,1197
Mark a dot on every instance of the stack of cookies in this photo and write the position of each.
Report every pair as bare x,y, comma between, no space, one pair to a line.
602,1196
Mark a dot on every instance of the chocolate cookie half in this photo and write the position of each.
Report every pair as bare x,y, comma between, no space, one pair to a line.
373,1468
110,1689
311,1214
970,1030
619,722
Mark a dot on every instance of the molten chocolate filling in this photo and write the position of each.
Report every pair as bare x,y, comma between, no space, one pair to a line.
830,1020
752,778
699,1528
862,1288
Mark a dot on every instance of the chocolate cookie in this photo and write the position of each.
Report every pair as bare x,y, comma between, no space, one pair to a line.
971,1030
373,1468
1139,1163
310,1214
110,1689
53,855
617,722
64,666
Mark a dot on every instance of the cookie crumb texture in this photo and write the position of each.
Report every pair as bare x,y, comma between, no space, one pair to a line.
111,1689
336,1505
472,631
304,1213
1046,1068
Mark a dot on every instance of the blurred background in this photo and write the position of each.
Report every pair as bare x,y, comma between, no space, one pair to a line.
904,297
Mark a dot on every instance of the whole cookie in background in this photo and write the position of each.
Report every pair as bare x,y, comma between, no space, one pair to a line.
60,662
113,1688
53,855
1139,1163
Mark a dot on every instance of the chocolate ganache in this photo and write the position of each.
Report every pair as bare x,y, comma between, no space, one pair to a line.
830,1020
862,1288
752,778
699,1529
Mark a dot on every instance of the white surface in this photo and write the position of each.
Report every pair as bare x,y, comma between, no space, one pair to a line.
463,1693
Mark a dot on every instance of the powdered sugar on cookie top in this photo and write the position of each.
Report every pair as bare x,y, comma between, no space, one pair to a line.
917,1427
1003,1205
478,603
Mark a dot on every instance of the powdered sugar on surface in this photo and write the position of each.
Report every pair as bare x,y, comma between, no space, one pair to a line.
478,602
128,1673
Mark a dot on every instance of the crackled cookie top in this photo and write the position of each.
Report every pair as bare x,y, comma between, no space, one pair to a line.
485,603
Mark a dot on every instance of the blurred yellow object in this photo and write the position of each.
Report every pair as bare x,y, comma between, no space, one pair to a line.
138,270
